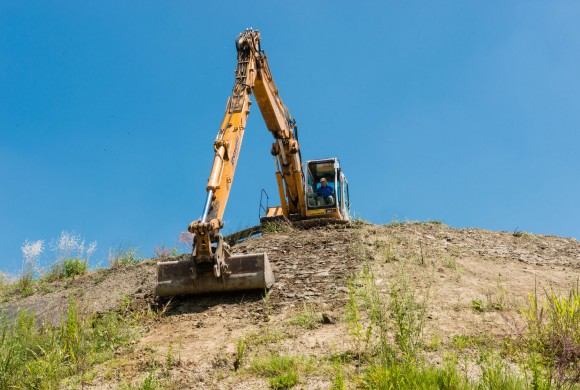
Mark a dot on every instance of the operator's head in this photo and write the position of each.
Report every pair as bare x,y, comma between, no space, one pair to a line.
323,182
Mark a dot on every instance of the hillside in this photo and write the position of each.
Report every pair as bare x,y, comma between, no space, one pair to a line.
464,287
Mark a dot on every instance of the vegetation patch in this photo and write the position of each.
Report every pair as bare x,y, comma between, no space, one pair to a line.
281,370
40,357
550,350
275,227
120,256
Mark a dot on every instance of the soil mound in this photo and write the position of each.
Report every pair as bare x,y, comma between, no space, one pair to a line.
312,269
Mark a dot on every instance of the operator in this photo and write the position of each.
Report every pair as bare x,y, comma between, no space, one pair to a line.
325,191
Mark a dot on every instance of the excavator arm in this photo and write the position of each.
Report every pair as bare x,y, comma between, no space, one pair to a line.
253,75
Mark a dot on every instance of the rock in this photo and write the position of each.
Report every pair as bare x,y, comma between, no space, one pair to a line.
327,319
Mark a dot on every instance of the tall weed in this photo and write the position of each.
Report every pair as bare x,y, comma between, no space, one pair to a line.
34,356
552,343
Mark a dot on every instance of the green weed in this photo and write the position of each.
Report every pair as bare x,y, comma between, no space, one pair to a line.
265,336
275,227
120,256
338,380
39,357
495,300
521,234
309,318
240,353
67,268
281,371
551,347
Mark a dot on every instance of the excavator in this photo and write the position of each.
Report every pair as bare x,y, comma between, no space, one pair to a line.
317,191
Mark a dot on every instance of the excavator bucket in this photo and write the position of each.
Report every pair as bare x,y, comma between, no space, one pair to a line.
246,272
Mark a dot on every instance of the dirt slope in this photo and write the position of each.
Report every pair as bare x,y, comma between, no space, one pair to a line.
455,267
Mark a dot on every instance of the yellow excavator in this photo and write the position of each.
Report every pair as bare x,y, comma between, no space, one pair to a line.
321,194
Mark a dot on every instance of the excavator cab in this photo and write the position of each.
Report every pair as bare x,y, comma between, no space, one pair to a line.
326,190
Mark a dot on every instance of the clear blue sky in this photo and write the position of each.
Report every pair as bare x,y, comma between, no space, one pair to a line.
465,112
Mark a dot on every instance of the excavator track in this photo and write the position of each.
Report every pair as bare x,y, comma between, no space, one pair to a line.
244,234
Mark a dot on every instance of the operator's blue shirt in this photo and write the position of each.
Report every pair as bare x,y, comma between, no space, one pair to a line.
325,192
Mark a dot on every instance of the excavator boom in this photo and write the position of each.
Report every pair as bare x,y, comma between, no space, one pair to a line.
212,267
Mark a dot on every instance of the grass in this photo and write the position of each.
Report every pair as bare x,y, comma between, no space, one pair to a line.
275,227
120,256
308,318
521,234
450,262
67,268
495,299
435,222
33,356
240,353
552,343
280,370
264,337
386,329
462,342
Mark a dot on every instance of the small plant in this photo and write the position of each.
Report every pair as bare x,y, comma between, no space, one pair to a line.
434,343
169,361
281,371
71,257
496,374
265,336
163,251
275,227
494,300
284,381
266,302
462,342
352,315
449,262
392,253
120,256
479,305
395,222
408,316
518,233
358,220
31,252
151,382
308,318
435,222
338,380
240,353
73,267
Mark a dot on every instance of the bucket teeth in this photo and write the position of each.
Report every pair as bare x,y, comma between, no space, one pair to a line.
245,272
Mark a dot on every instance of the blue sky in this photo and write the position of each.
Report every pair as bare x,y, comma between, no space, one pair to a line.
465,112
